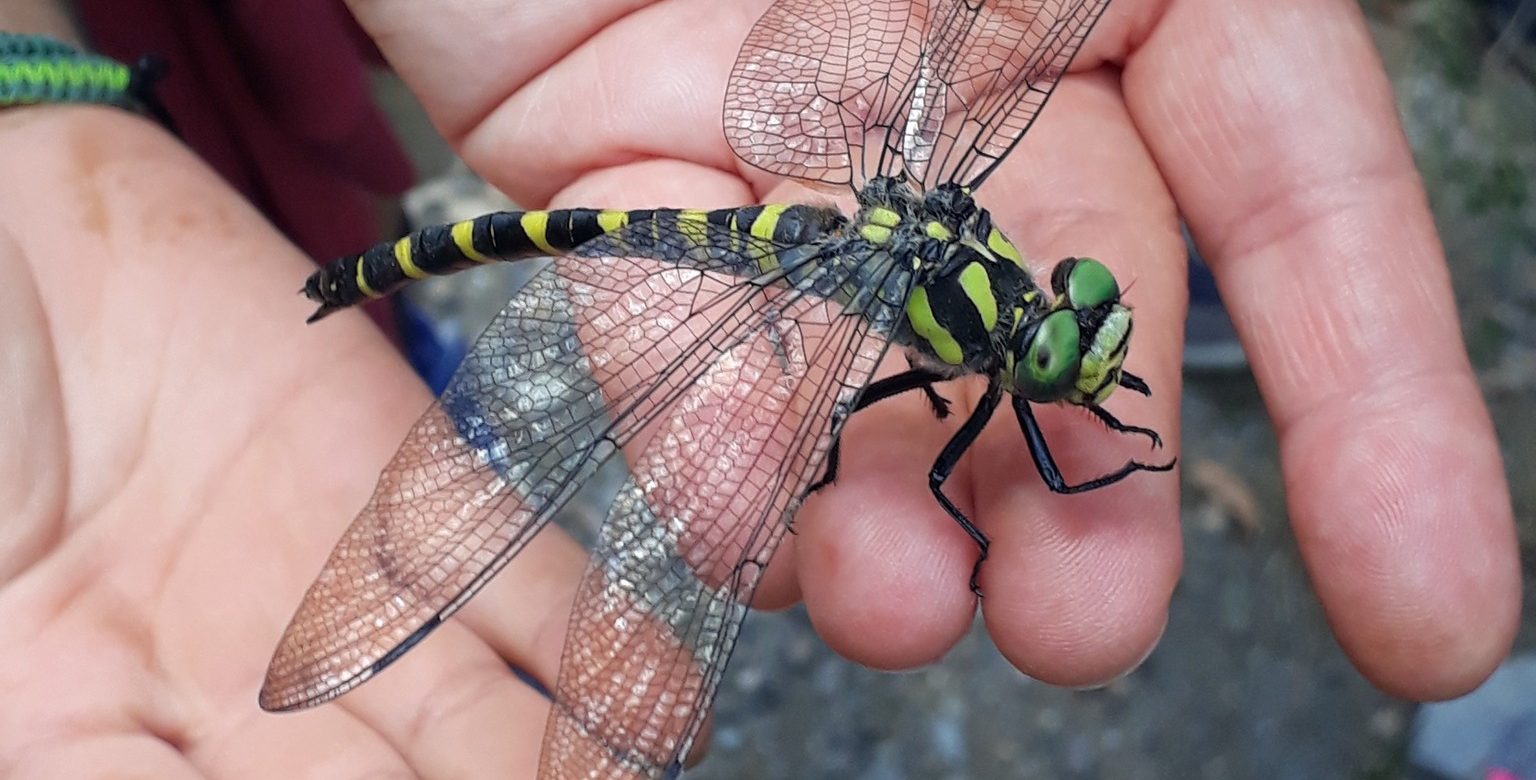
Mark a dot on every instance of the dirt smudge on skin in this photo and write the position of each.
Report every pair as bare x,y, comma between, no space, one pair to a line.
89,159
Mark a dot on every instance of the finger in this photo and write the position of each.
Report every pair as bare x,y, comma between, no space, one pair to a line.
85,756
1276,130
453,708
548,71
1077,586
34,490
884,571
242,742
644,106
462,58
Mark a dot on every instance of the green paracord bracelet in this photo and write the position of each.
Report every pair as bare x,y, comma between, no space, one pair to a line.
35,69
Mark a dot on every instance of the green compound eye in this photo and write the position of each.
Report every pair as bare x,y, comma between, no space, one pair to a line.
1051,362
1090,284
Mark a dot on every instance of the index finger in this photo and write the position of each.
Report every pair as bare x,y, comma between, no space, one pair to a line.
1276,130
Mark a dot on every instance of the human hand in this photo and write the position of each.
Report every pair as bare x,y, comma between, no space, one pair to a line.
181,450
1271,128
177,413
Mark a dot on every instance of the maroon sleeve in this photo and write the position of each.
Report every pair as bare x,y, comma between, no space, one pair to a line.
275,95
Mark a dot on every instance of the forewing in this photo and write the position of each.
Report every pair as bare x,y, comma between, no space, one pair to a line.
986,71
720,365
814,78
522,424
840,91
773,368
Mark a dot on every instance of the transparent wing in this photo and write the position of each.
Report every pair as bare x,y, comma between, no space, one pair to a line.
842,90
722,385
990,68
772,372
815,78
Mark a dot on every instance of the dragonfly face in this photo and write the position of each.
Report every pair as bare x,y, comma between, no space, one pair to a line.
1073,353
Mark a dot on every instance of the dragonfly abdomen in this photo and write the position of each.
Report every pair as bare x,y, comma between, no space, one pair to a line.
509,236
443,249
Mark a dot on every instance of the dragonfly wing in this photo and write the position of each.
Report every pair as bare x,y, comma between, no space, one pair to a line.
772,369
839,91
720,367
814,78
988,69
522,424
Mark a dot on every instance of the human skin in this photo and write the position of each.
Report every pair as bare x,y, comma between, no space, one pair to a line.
182,450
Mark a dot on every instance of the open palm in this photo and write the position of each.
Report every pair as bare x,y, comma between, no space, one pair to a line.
188,450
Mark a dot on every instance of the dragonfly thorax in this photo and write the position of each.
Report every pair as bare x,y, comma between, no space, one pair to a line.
932,222
975,307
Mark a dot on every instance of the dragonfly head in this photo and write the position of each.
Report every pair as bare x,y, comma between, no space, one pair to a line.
1073,352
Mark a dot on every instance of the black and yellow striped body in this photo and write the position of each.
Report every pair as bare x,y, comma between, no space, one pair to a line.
960,317
973,288
974,307
506,236
970,301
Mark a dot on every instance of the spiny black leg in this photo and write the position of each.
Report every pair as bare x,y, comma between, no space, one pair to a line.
830,474
879,391
1135,383
938,403
945,465
1120,427
1047,465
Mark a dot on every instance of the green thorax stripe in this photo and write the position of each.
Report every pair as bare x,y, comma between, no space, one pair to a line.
955,314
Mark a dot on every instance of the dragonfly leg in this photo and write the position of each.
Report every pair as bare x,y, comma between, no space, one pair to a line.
1134,383
913,379
1120,427
1047,465
938,403
950,456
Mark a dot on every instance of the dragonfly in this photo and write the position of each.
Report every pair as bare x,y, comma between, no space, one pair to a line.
717,355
